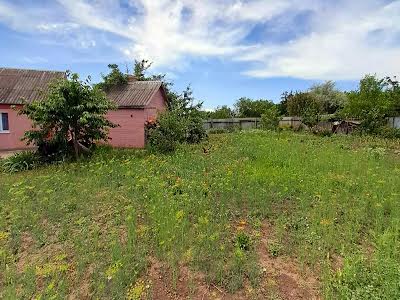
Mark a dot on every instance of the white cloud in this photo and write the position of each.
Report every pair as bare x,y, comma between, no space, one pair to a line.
345,40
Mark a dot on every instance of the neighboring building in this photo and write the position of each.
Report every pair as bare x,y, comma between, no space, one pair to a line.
137,101
17,86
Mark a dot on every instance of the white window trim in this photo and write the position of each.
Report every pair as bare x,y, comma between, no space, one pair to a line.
1,124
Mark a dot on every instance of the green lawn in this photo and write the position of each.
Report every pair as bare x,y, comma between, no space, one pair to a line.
249,215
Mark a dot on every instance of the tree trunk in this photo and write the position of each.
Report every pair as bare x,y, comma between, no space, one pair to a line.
76,146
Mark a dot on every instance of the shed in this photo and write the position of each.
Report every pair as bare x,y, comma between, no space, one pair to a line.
138,102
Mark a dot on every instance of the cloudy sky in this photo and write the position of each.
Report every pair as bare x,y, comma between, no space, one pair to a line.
224,48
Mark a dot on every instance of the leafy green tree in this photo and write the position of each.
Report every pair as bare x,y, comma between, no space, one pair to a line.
222,112
329,98
371,103
140,68
114,78
300,102
282,106
248,108
270,118
73,111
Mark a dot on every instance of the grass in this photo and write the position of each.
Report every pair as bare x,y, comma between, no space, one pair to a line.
97,228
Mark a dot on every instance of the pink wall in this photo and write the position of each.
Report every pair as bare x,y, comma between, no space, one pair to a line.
131,133
156,105
18,125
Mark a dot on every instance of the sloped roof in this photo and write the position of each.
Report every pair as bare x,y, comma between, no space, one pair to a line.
135,94
19,85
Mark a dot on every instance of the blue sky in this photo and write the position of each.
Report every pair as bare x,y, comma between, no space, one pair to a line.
225,49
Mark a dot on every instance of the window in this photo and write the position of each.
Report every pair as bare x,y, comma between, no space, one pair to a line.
4,126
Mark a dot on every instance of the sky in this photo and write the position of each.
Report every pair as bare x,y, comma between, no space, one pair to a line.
225,49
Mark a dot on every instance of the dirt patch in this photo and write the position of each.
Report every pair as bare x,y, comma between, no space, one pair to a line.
283,275
189,285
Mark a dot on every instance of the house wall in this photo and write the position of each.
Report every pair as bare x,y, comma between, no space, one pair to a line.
156,105
18,125
131,132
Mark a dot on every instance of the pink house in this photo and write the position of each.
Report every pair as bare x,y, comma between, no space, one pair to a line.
137,102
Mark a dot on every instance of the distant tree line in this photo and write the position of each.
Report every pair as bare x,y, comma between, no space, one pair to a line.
371,103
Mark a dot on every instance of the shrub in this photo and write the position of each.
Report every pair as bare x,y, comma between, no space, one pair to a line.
320,131
21,161
165,135
270,119
389,132
195,131
217,131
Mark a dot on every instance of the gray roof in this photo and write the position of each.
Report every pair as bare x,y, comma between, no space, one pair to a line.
19,85
135,94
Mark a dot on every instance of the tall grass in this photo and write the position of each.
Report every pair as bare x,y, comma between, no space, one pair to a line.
95,227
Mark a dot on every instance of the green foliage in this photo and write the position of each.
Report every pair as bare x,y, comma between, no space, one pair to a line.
243,241
182,123
300,104
248,108
70,119
373,102
270,118
389,132
167,133
114,78
140,68
222,112
21,161
329,98
218,131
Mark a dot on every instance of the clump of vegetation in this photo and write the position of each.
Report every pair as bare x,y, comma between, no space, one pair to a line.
21,161
243,241
114,78
182,123
373,102
275,248
70,120
270,118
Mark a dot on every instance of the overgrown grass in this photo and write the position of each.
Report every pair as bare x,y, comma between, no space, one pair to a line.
93,228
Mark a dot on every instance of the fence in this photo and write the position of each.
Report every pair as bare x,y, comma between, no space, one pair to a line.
394,122
240,123
249,123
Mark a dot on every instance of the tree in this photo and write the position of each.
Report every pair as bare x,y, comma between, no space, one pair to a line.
270,118
329,98
248,108
74,111
282,106
140,68
222,112
114,78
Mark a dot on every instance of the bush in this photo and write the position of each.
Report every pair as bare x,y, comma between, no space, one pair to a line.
389,132
167,133
270,119
21,161
217,131
173,128
195,131
320,131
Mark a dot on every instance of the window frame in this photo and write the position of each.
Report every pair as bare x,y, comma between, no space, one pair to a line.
1,123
